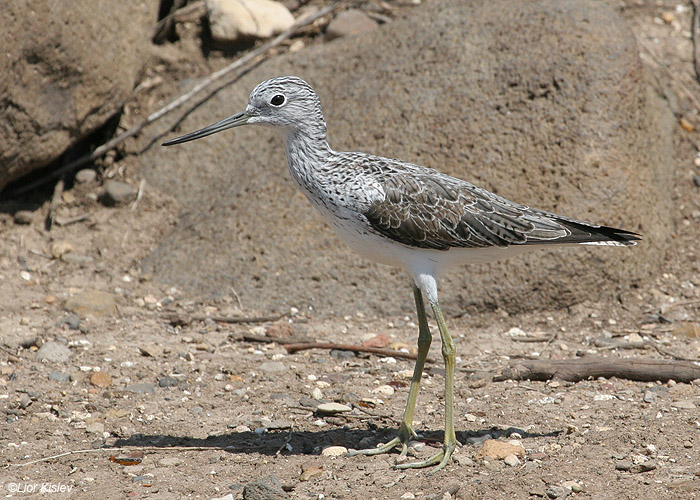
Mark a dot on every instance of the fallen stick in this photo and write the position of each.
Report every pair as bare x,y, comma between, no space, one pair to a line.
72,220
533,339
264,339
573,370
292,348
55,203
111,144
239,319
130,449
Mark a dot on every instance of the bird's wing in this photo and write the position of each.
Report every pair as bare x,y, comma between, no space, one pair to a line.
427,209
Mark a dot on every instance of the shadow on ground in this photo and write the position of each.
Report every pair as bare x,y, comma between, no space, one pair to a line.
310,443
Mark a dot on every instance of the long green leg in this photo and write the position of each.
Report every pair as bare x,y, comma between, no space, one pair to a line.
450,441
406,431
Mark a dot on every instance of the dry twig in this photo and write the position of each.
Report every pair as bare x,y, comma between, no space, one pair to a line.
130,449
239,319
72,220
292,348
573,370
55,203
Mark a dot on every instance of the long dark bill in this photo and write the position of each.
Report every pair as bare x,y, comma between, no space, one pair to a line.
230,122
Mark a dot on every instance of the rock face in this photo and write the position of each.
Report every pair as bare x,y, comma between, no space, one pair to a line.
66,68
232,19
350,22
545,103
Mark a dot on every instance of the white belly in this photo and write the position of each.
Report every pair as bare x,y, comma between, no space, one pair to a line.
385,251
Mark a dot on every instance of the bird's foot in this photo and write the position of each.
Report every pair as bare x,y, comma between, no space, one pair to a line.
439,460
406,433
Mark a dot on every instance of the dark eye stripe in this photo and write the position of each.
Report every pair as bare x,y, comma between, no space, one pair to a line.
277,100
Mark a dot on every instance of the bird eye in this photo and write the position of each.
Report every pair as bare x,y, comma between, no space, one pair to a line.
277,100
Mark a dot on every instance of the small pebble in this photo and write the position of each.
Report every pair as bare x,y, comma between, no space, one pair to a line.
338,354
58,248
463,460
573,486
623,465
53,351
167,382
273,367
309,473
169,461
59,376
511,460
23,217
417,445
316,393
142,388
635,338
95,428
385,390
683,405
643,467
668,17
117,192
72,321
25,401
556,491
86,176
649,397
100,379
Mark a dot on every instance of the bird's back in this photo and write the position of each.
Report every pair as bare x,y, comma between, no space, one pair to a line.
423,208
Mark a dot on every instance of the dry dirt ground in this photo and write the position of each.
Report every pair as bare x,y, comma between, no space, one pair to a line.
206,411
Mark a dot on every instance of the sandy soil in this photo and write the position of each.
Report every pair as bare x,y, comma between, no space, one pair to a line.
203,410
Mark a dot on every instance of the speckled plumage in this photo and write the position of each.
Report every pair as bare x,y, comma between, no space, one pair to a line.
404,215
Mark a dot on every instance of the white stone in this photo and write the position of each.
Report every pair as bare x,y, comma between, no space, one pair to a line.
511,460
385,390
334,451
516,332
233,19
333,408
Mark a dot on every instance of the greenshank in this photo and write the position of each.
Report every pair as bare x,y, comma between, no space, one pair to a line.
404,215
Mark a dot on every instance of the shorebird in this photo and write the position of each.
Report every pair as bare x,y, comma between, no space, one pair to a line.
404,215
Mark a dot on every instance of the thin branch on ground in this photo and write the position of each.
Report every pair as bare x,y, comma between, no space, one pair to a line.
264,339
657,62
55,203
130,449
239,319
72,220
573,370
139,194
534,339
286,441
292,348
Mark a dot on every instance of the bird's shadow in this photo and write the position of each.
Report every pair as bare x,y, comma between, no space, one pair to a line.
293,442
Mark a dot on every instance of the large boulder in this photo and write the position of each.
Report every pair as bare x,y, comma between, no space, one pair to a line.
66,68
545,102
